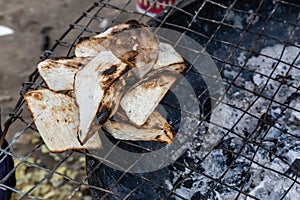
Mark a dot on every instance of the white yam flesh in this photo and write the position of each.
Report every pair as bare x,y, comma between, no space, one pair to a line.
56,118
59,73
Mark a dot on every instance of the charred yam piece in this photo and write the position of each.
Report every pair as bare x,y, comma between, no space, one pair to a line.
90,86
167,56
59,73
131,42
156,128
142,99
56,118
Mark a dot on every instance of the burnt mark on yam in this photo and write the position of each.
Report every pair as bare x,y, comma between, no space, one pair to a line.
73,64
79,65
160,138
47,64
111,70
125,72
118,31
103,115
157,137
169,132
130,58
92,42
177,67
134,24
107,82
37,95
109,79
153,82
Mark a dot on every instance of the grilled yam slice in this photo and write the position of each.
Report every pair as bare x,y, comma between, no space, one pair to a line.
56,118
91,84
156,128
59,73
142,99
131,42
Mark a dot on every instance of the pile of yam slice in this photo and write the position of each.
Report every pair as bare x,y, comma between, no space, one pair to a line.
115,81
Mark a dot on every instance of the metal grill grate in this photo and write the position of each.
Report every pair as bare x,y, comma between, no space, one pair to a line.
255,46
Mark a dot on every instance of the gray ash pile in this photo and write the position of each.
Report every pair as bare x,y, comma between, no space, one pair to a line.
255,45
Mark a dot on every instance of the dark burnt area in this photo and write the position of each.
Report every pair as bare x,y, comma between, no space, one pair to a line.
110,71
125,71
72,64
107,82
166,133
294,169
82,39
134,24
103,115
79,64
130,57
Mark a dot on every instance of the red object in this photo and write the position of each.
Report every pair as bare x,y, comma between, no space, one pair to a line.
155,7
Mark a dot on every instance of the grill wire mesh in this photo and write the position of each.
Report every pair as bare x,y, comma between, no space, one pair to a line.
255,45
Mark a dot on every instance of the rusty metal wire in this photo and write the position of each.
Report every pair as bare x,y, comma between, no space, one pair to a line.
233,74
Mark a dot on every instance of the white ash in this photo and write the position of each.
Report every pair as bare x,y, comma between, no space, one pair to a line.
295,113
254,178
236,20
252,18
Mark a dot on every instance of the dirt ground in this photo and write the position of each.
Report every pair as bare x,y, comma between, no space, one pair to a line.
19,54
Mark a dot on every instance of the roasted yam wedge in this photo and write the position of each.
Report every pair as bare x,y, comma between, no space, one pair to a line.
142,99
91,84
56,118
131,42
156,128
59,73
167,56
